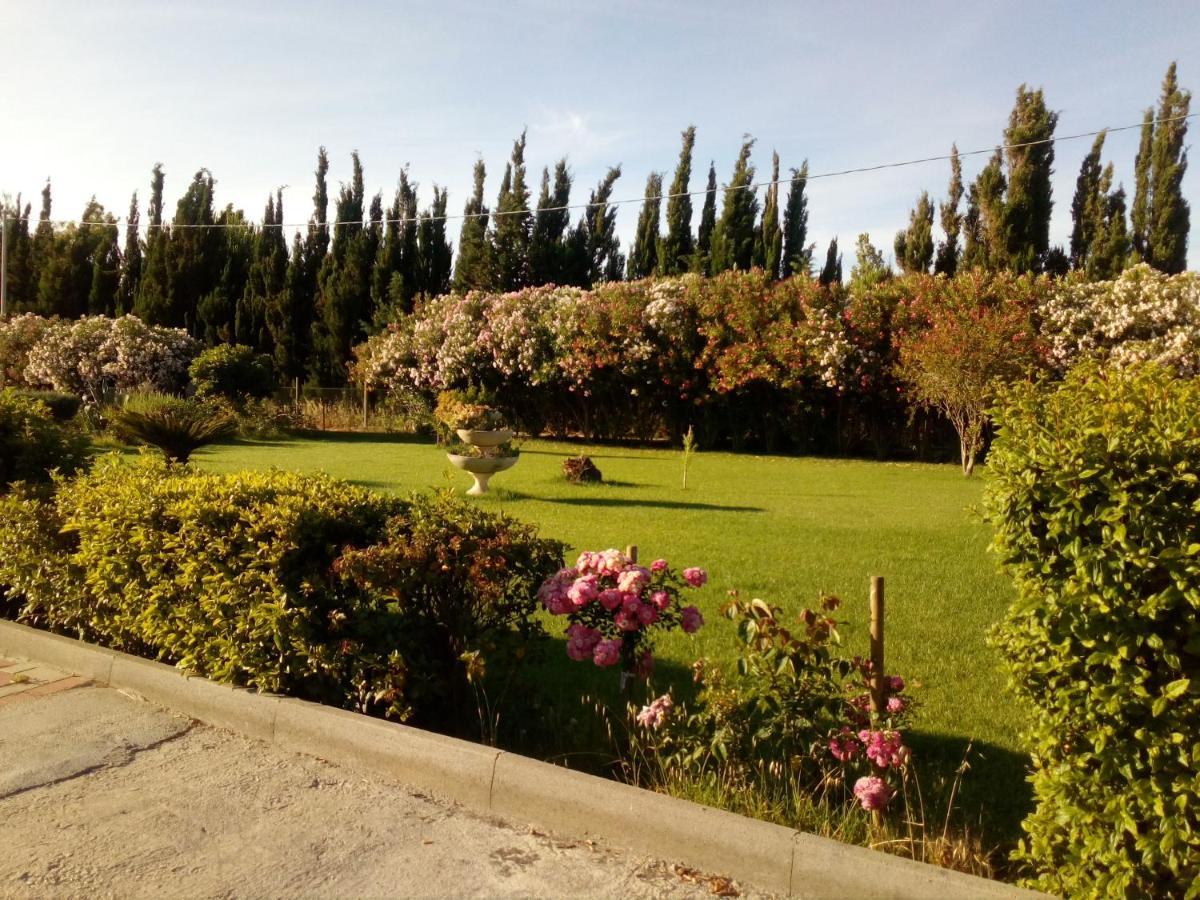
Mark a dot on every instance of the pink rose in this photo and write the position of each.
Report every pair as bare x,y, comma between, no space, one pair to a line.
690,619
661,599
633,580
583,591
653,714
695,577
610,598
607,653
647,614
872,792
659,565
627,620
895,705
844,746
894,683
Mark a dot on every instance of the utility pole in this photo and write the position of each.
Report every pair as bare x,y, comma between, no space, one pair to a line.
4,266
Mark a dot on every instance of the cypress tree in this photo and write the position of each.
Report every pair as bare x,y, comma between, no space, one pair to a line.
547,248
674,257
643,254
194,255
986,235
1139,215
768,244
1086,208
1111,246
914,245
1030,166
266,280
870,268
223,314
511,225
733,237
831,273
470,269
702,258
22,290
596,254
950,218
1169,213
131,259
797,252
387,288
433,248
42,250
79,269
152,301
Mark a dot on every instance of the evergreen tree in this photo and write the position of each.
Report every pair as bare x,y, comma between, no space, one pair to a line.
194,254
396,275
80,266
733,238
152,300
471,267
1167,213
986,238
266,280
1111,246
768,243
225,313
595,253
433,248
512,226
831,273
1029,156
674,257
21,288
1139,215
950,218
547,248
870,268
42,251
643,255
797,252
1086,208
702,258
914,245
131,260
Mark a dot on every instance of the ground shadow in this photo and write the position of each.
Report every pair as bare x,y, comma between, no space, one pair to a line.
657,504
592,455
364,437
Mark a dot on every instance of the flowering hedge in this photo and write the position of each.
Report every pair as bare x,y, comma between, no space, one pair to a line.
95,356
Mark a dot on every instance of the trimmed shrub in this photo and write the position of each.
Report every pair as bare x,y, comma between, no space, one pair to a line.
232,371
298,584
175,426
1095,498
63,407
32,443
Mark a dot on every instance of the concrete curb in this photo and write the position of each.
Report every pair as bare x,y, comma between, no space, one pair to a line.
518,788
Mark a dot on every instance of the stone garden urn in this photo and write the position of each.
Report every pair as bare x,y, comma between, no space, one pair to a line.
487,464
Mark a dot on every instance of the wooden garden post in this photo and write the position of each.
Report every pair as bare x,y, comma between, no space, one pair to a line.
366,395
631,552
878,694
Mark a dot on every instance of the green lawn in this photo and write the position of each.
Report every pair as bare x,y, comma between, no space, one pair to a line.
780,528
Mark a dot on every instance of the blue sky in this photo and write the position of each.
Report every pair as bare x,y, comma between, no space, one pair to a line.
96,93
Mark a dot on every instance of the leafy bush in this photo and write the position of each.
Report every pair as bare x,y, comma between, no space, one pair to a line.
283,582
18,336
32,443
581,470
176,426
63,407
471,408
1095,499
234,372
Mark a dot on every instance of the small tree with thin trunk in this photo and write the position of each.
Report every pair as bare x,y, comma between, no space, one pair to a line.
956,363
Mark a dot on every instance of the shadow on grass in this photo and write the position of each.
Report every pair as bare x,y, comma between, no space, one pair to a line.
657,504
363,437
565,455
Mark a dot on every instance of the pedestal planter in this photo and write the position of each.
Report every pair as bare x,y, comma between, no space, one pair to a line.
482,468
478,438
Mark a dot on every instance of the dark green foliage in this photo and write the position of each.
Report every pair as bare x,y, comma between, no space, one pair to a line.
1028,202
512,226
1085,205
643,255
797,252
674,256
768,243
231,311
152,299
63,407
471,267
914,245
733,237
1161,215
232,371
1095,484
22,289
985,242
1099,242
548,248
434,254
176,426
595,247
79,266
266,279
194,256
131,260
702,259
288,583
870,268
831,272
32,443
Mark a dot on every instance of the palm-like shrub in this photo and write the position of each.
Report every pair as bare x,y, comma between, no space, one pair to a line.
176,426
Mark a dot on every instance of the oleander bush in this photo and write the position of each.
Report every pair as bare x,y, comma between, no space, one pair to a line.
32,443
232,372
1095,499
299,584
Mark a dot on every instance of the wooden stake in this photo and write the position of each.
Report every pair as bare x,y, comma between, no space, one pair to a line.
878,699
631,552
366,395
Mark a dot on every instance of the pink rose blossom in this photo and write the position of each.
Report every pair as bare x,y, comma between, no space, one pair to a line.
583,591
894,683
884,748
895,705
633,580
647,614
627,620
872,792
696,577
690,619
652,716
844,745
659,565
610,598
661,600
607,653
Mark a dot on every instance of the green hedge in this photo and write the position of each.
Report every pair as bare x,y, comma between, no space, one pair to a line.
32,443
289,583
1095,498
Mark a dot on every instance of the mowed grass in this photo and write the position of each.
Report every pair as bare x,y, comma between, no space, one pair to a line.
781,528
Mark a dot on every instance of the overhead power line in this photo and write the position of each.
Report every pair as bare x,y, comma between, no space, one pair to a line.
573,206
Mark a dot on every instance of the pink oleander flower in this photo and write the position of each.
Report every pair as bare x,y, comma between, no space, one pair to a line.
844,745
607,653
610,598
884,748
633,580
652,715
873,793
661,600
583,591
659,565
690,619
696,577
